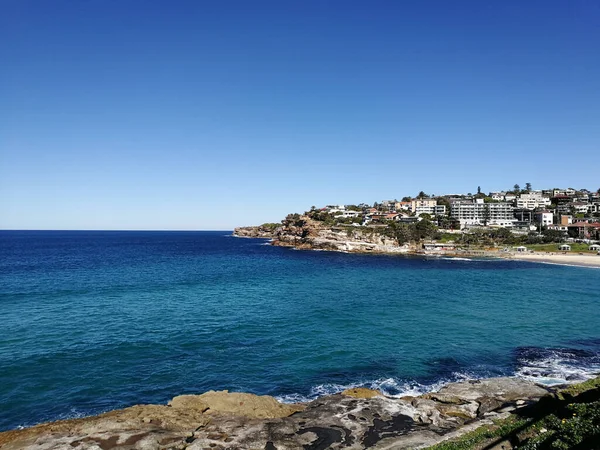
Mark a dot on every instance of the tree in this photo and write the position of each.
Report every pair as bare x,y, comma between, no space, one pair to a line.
528,187
444,201
425,229
406,199
478,190
516,188
422,195
486,214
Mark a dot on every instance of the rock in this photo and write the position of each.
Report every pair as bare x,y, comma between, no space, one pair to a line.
503,389
261,231
488,404
246,405
359,418
444,398
188,402
141,426
361,392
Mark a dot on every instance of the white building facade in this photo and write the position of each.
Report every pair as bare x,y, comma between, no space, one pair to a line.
477,213
533,200
545,218
427,206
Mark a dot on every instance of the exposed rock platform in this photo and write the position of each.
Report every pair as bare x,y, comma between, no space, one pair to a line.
355,419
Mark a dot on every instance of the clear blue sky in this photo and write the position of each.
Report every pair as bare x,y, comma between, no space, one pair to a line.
131,114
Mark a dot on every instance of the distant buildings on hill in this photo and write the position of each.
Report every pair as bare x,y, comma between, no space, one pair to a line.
568,210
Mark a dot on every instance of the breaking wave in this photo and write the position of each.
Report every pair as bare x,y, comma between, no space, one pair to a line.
548,366
557,365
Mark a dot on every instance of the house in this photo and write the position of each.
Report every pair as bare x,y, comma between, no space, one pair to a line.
544,217
533,200
346,214
594,247
521,249
403,206
584,230
564,247
580,208
566,220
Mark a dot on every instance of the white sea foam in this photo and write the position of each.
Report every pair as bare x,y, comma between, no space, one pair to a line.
557,365
544,366
552,371
390,387
456,258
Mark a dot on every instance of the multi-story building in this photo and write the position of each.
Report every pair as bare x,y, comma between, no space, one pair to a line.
544,218
523,215
403,206
532,200
480,213
580,207
427,206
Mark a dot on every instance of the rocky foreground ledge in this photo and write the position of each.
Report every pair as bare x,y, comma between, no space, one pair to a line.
354,419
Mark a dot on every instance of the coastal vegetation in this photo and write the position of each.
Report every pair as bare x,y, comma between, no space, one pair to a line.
568,419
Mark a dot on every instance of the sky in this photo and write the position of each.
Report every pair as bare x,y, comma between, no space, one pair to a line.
199,115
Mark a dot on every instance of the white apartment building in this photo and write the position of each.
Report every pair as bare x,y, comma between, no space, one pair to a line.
544,217
474,213
582,208
533,200
427,206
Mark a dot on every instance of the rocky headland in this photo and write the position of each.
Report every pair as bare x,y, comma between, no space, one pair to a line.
302,232
354,419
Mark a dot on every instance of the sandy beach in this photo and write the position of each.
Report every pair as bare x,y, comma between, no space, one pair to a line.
570,259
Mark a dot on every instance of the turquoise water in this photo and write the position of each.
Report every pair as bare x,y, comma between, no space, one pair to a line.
93,321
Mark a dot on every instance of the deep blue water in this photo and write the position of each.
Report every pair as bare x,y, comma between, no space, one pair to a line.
92,321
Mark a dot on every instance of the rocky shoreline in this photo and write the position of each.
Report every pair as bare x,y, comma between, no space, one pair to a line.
307,234
354,419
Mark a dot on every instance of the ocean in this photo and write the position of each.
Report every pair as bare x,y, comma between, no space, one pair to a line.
93,321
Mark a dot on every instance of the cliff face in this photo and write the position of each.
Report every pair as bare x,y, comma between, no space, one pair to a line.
302,232
260,231
354,419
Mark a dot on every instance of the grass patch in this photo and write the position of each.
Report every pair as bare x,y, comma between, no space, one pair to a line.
483,434
570,419
575,248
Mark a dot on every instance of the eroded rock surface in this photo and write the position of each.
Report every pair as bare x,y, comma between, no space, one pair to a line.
359,418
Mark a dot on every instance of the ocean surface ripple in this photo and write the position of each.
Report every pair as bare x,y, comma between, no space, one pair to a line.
93,321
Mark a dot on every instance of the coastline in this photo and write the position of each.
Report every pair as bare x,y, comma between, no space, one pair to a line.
563,259
312,236
355,418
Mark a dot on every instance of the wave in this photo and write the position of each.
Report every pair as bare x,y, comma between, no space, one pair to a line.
547,366
557,365
456,258
390,387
